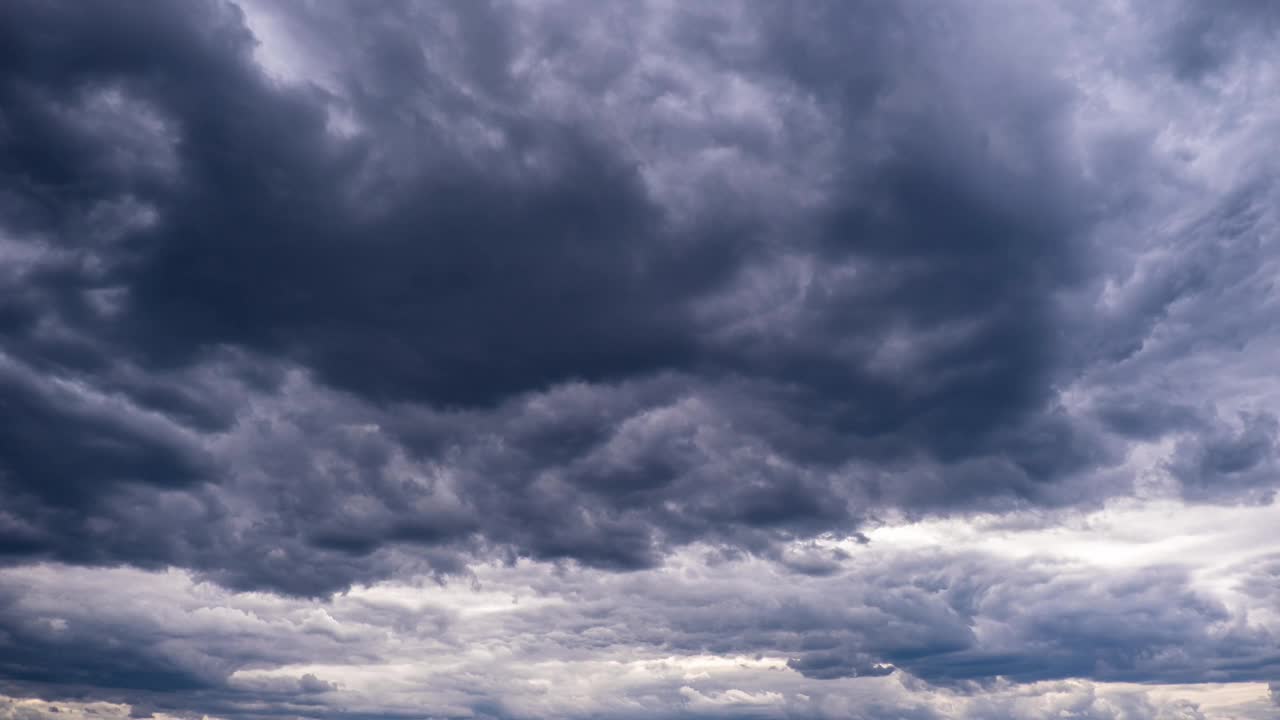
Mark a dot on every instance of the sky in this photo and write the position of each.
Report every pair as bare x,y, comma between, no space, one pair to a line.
904,360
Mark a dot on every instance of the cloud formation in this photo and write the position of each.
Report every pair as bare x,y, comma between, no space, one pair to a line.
674,321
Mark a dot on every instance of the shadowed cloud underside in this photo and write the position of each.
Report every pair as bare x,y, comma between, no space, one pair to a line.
568,359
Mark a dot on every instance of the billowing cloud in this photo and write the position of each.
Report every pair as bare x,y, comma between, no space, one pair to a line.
676,321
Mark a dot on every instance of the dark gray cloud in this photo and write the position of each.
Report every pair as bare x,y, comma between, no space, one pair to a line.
1198,42
467,247
1220,460
299,298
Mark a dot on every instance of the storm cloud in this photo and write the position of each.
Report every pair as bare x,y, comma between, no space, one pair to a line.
764,349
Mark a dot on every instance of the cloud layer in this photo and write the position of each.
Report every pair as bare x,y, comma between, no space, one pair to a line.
672,322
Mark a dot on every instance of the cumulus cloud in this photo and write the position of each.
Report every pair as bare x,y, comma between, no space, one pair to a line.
662,318
746,636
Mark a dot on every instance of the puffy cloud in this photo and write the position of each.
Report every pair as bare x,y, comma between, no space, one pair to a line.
968,631
305,300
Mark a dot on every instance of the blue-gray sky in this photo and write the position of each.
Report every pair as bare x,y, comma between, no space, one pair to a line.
571,359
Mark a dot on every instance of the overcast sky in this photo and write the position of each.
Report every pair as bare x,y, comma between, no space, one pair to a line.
813,360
